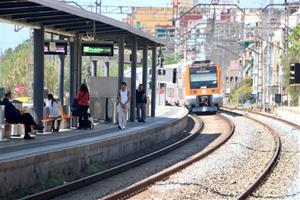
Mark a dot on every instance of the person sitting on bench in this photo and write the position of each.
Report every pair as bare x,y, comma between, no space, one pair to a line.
54,112
15,116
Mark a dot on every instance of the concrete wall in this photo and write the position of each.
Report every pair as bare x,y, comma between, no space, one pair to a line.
106,86
24,173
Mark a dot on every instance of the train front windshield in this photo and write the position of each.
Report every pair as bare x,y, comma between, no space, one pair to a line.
203,77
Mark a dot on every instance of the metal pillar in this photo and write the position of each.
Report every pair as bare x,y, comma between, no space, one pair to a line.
145,66
121,61
153,82
79,57
94,68
72,73
76,65
61,74
107,69
38,83
133,79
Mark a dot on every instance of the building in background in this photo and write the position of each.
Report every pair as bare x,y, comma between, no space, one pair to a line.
147,19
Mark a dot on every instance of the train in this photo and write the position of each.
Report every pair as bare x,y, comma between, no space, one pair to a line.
195,85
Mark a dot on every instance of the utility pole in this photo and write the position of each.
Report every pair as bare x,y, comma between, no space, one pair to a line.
286,27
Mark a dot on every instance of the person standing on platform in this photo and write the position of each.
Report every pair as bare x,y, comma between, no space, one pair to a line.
141,101
54,112
123,100
15,116
83,98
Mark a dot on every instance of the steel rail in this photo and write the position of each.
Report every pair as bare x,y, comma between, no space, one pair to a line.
271,164
145,183
277,118
59,190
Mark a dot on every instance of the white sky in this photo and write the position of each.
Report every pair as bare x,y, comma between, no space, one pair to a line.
10,39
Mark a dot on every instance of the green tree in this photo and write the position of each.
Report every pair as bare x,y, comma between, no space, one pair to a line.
242,91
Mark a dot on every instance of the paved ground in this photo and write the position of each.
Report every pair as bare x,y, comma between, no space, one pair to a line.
16,148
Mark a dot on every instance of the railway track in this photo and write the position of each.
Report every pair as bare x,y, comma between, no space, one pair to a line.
136,191
282,182
267,170
71,186
145,183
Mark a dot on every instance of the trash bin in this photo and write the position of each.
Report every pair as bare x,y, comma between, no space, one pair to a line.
17,130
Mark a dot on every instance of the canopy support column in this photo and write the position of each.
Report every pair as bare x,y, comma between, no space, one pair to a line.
145,66
61,74
153,82
38,84
72,72
133,79
121,61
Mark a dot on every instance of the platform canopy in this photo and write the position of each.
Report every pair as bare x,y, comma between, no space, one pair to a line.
64,19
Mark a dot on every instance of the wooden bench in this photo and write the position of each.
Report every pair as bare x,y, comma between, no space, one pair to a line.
65,121
47,123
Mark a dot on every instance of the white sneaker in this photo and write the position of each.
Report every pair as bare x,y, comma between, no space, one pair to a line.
123,128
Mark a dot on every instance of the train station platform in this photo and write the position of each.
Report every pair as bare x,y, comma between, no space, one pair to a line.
24,164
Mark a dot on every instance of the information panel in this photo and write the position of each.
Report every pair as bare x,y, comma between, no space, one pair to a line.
60,48
97,49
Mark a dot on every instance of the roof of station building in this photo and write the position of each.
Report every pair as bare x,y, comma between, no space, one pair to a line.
61,18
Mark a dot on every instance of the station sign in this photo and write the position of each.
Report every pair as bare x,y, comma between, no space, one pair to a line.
97,49
55,48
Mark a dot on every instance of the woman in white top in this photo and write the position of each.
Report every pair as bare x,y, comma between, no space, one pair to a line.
123,105
54,112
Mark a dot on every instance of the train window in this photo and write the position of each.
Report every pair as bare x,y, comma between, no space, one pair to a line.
161,71
236,79
227,79
231,79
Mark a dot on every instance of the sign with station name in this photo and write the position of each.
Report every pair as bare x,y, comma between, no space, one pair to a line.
97,49
55,48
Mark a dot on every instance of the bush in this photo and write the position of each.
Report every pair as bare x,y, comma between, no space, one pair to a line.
242,92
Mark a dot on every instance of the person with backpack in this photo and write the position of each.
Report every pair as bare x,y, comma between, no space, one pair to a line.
141,100
54,112
83,98
123,100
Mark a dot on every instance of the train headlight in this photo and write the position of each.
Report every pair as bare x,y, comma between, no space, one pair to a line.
215,90
193,91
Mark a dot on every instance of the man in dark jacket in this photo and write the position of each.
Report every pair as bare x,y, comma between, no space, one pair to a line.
13,115
141,100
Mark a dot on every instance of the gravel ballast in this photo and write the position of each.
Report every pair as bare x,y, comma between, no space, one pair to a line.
284,181
226,172
112,184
